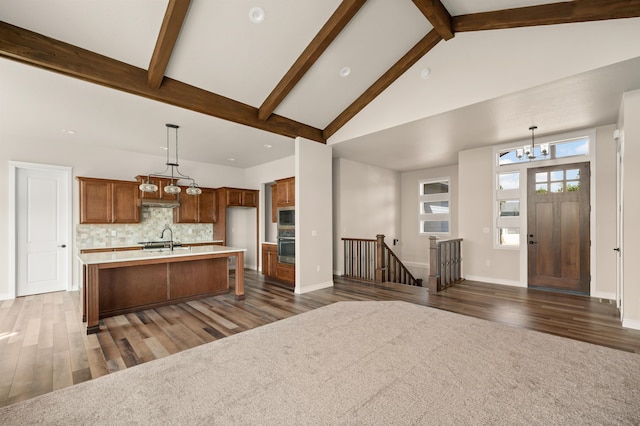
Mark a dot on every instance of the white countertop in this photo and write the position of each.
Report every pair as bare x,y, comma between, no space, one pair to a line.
268,242
132,255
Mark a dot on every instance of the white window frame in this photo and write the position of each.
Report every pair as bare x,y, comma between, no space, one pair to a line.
433,217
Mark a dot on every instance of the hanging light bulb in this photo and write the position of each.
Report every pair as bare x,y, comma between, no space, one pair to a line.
193,189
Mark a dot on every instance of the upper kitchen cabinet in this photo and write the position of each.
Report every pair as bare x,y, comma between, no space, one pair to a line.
286,192
108,201
235,197
274,203
196,208
159,194
208,206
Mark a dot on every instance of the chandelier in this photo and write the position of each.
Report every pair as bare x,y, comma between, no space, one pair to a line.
529,150
171,172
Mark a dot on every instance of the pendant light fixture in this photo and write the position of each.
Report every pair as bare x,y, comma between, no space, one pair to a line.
171,172
529,150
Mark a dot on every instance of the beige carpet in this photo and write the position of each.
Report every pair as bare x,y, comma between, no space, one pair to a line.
374,363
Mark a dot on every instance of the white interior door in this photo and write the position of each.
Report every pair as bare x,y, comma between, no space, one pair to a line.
42,230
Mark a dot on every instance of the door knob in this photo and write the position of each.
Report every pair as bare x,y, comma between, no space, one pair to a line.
63,245
533,242
617,249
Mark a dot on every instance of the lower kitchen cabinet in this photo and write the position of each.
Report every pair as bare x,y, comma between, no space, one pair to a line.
284,272
269,259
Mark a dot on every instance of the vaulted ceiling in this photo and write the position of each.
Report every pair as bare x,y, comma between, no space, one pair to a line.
241,90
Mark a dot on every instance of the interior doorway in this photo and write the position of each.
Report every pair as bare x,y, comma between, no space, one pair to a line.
42,224
558,227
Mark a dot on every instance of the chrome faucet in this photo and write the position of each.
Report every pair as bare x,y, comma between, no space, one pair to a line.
167,227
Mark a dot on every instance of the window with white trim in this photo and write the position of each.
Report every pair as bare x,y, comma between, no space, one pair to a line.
434,208
508,209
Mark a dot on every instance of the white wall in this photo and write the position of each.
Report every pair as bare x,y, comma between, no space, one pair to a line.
475,206
90,161
415,246
367,201
630,127
256,178
605,214
314,241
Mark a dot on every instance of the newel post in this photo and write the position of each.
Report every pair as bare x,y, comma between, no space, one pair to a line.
433,265
380,266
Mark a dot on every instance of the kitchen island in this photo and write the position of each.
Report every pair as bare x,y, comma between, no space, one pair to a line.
119,282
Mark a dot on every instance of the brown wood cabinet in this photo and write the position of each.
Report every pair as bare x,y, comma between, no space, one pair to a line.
274,203
208,206
284,272
286,192
108,201
269,259
159,194
236,197
196,208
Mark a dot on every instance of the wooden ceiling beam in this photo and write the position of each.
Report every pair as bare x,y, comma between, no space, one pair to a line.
169,31
548,14
338,21
427,43
38,50
438,15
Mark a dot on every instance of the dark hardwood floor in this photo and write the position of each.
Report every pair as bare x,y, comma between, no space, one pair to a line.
44,347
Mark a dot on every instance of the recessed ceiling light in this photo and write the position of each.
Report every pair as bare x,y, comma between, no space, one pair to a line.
69,132
164,148
344,72
425,73
231,159
256,15
266,145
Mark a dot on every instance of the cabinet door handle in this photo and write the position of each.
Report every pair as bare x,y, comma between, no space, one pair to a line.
63,245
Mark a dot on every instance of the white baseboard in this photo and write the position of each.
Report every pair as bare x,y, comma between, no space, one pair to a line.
5,296
635,324
495,281
604,295
313,287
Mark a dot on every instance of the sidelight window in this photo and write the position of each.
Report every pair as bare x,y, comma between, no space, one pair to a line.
508,209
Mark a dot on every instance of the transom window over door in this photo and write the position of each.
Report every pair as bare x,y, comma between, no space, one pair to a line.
434,209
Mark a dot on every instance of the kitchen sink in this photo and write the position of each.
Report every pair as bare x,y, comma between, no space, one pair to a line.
160,245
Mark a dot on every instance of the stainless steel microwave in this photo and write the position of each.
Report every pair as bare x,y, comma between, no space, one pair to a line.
286,217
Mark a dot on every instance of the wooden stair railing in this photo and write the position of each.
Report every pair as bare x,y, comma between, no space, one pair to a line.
373,260
445,263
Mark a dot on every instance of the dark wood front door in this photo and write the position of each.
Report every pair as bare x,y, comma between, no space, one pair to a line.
558,227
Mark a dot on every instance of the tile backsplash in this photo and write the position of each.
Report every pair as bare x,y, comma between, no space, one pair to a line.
152,222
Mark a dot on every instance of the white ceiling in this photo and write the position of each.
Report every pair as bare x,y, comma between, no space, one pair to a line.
485,87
